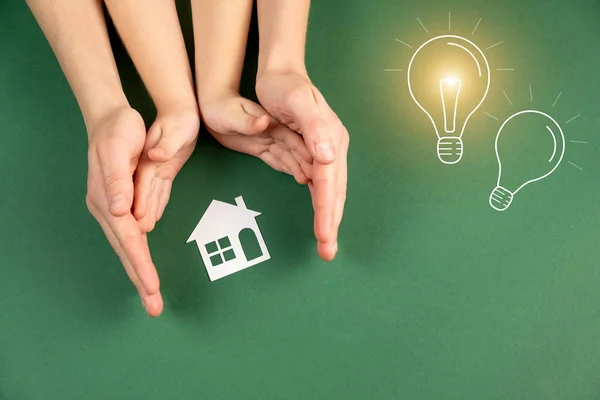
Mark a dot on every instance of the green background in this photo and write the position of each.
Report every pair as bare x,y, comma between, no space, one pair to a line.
433,295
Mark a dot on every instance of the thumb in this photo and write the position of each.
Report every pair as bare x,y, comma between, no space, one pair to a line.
118,181
171,140
249,119
307,111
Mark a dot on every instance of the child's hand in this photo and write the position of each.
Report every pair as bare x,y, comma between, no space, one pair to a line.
294,101
116,142
244,126
169,144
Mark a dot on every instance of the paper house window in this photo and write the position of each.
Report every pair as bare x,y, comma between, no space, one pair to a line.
220,251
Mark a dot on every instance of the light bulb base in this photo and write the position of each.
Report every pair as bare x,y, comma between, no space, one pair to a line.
450,149
501,198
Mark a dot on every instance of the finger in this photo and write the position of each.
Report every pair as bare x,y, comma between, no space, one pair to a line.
164,199
115,162
153,304
307,109
292,140
288,160
324,200
248,119
342,181
274,162
144,177
306,167
172,139
135,247
157,196
148,222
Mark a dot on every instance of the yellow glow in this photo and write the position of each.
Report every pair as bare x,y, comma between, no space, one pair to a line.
451,80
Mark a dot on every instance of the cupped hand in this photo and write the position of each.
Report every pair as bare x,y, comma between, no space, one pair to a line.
244,126
116,142
294,101
169,144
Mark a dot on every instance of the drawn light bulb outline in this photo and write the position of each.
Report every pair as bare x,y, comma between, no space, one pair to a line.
450,145
501,198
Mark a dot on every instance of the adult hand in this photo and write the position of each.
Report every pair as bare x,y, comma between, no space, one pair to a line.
116,142
242,125
294,101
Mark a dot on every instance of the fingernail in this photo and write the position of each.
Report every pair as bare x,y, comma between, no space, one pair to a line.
117,202
326,151
144,305
335,248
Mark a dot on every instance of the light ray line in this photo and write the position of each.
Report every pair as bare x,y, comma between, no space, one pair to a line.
507,98
392,70
476,26
494,45
575,165
556,101
406,44
505,69
574,118
578,141
449,22
422,25
530,93
491,116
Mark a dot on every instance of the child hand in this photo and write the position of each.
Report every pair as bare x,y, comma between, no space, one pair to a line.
169,144
244,126
293,100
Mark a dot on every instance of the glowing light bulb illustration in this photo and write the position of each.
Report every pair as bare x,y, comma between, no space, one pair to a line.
532,134
448,79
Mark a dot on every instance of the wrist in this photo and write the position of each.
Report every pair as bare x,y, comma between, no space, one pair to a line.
99,104
214,93
281,63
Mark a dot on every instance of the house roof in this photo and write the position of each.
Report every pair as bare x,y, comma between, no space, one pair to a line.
222,217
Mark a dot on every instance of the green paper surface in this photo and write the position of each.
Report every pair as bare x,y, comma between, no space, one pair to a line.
433,295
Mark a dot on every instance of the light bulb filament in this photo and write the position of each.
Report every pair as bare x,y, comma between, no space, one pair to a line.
450,90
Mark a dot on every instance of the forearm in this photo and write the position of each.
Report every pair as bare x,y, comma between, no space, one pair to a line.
282,26
76,31
220,36
152,34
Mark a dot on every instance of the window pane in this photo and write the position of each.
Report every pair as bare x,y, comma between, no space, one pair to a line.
211,247
229,255
216,260
224,242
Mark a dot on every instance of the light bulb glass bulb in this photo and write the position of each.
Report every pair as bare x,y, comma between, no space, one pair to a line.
448,79
529,146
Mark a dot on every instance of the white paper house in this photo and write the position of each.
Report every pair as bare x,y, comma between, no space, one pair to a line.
217,236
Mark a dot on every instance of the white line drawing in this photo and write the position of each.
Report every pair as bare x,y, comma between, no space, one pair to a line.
556,101
449,22
217,236
406,44
392,70
447,85
530,93
491,116
422,25
507,98
450,88
575,165
505,69
476,26
573,119
578,141
494,45
501,198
